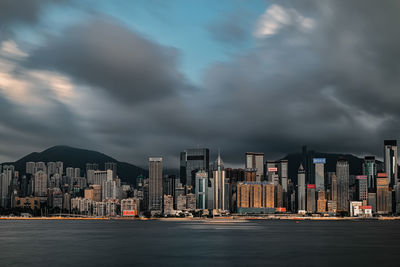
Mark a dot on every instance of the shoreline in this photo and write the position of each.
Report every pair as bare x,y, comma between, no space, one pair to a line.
215,219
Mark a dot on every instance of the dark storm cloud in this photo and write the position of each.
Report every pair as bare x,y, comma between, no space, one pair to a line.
334,87
107,55
332,83
22,11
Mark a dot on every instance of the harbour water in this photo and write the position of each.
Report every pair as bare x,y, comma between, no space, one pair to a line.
197,243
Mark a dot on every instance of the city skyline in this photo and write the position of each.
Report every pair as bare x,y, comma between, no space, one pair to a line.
257,75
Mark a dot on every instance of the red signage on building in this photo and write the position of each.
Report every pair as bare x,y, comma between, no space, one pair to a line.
129,213
382,174
361,177
366,207
273,169
311,186
280,209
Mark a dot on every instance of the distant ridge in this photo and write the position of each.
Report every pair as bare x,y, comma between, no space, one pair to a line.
77,158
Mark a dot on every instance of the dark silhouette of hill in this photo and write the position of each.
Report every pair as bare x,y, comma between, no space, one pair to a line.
77,158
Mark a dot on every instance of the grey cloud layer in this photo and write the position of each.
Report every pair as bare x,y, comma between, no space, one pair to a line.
334,87
105,54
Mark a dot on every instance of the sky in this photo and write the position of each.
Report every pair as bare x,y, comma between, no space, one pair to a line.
135,79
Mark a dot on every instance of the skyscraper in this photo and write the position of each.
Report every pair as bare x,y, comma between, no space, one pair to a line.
301,189
283,174
319,173
219,184
155,184
369,169
342,173
362,188
201,189
193,160
382,194
311,207
255,160
390,161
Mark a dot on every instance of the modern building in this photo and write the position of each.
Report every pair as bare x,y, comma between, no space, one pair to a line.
255,160
383,200
40,184
250,175
255,197
301,189
201,189
219,185
111,166
370,170
168,204
130,206
390,161
342,173
362,188
284,174
319,174
191,161
155,183
93,192
311,207
321,202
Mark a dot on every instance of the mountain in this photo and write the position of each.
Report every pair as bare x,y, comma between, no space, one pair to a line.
77,158
355,163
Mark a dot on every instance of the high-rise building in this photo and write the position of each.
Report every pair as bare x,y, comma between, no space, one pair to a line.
382,194
321,202
301,189
77,172
283,174
342,173
109,189
255,197
51,168
155,183
168,204
271,172
111,166
250,175
390,161
30,167
98,177
362,188
40,166
369,169
319,175
40,184
5,182
201,189
70,172
193,160
255,160
219,184
60,167
311,207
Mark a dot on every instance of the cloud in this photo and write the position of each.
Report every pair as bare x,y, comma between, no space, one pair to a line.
333,86
277,17
107,55
231,29
12,11
10,48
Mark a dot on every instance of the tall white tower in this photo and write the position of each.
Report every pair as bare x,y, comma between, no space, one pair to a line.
219,184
